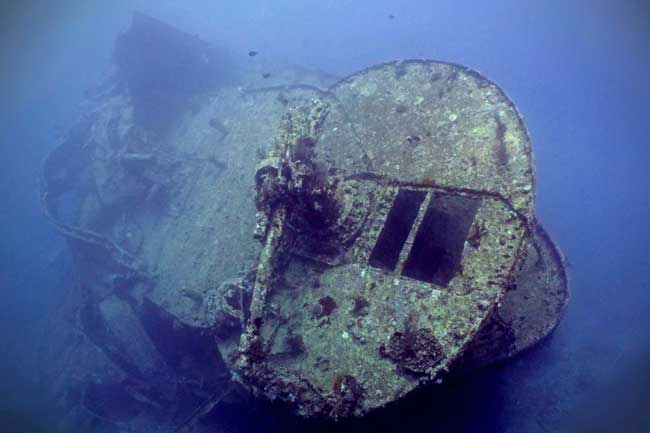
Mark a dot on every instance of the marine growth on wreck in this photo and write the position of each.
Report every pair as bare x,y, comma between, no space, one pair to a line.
327,243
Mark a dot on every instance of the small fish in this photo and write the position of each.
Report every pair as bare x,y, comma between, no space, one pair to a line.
252,53
391,16
266,75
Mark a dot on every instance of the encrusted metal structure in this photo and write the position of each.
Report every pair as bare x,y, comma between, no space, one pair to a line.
395,212
340,243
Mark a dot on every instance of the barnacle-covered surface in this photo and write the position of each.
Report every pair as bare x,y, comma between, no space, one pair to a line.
395,214
453,126
427,259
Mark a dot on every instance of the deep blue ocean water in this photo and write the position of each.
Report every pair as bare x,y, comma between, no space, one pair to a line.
577,70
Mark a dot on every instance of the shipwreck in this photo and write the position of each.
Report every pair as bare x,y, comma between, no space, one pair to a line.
327,243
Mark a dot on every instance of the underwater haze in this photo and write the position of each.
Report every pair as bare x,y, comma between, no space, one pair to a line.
577,71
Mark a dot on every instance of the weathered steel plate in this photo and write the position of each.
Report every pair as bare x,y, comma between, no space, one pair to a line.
390,236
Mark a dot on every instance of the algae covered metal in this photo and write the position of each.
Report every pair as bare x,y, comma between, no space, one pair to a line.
395,213
331,244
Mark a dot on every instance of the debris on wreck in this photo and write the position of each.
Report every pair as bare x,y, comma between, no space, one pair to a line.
344,244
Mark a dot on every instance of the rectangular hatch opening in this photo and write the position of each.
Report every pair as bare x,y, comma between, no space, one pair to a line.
438,245
397,227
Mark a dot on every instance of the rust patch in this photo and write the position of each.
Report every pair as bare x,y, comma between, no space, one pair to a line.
294,345
328,305
347,393
360,306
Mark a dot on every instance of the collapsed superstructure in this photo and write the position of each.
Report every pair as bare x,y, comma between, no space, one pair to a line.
340,242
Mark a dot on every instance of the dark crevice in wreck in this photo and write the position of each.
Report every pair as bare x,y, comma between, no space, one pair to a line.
438,246
396,229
